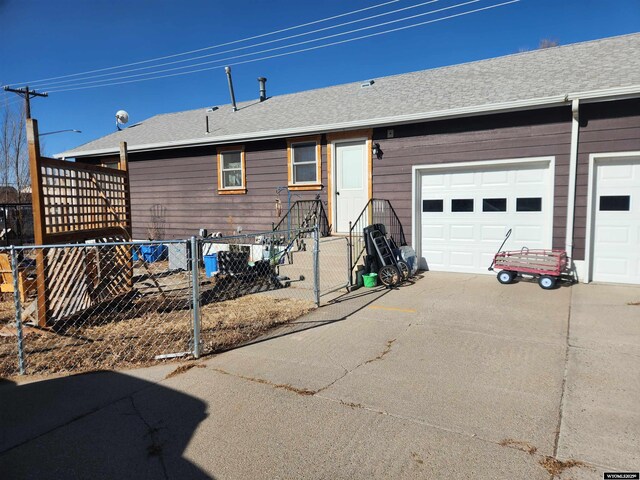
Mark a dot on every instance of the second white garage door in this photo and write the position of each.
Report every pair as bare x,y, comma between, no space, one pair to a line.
616,220
467,210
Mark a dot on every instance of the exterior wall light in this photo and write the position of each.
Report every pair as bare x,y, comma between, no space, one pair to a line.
377,151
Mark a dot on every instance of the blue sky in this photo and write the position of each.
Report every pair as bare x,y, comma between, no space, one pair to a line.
43,39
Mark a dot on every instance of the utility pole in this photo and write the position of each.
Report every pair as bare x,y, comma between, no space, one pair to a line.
27,94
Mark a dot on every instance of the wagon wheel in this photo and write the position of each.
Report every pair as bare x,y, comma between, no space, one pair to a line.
405,273
547,282
389,275
506,276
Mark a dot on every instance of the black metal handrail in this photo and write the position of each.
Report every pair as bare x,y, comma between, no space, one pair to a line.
375,211
304,214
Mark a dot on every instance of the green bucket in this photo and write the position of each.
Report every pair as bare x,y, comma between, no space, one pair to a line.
370,280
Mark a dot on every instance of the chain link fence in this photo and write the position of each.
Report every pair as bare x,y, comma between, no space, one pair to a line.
105,305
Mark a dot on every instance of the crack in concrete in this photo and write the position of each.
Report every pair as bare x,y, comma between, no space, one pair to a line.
156,447
305,391
386,350
556,441
282,386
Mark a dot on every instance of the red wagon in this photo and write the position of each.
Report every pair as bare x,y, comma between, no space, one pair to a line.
547,265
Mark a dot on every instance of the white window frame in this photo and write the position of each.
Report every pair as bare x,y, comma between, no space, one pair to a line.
291,164
222,189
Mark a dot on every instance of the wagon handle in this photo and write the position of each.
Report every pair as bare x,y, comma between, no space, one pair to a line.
504,241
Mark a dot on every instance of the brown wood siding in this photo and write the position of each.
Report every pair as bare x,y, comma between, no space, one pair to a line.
604,128
493,137
185,183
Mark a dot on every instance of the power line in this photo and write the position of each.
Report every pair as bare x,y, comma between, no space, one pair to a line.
295,51
431,12
331,27
353,12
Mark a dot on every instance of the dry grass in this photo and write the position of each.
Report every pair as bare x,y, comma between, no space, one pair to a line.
133,332
518,445
556,467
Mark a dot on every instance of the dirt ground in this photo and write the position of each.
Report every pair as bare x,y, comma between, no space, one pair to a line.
135,332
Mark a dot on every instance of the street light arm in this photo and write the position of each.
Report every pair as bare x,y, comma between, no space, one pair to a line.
60,131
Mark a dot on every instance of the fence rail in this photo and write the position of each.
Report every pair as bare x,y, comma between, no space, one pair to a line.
121,304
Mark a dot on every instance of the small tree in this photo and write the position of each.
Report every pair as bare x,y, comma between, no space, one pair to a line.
14,156
157,222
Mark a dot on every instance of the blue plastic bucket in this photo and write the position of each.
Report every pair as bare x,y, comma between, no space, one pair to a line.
153,253
211,264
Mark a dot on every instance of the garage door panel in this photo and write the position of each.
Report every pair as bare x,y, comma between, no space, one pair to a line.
456,239
612,266
462,233
534,234
495,178
435,258
461,259
609,235
463,179
493,233
433,232
614,172
530,176
430,181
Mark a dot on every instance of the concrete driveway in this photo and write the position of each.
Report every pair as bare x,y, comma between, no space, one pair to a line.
455,376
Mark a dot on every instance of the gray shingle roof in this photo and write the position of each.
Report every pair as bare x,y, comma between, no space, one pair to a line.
531,76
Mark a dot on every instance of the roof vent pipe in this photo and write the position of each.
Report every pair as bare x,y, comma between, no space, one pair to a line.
263,88
227,70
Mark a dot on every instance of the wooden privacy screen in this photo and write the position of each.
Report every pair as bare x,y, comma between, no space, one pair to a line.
75,203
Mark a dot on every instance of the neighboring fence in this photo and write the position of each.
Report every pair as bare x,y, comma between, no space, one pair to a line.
16,224
186,298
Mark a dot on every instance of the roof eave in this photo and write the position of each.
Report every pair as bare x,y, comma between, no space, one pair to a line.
557,100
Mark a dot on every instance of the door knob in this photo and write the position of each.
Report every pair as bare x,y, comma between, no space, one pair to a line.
337,193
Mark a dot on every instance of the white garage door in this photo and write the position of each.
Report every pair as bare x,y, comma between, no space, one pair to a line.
616,230
467,212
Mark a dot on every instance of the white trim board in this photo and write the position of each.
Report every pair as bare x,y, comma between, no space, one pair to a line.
416,226
591,190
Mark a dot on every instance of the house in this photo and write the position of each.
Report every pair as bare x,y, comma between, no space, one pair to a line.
546,143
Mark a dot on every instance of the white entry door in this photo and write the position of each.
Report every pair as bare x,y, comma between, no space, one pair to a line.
467,211
616,225
351,193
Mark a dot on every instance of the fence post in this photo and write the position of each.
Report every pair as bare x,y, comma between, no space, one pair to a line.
316,264
195,296
350,257
18,305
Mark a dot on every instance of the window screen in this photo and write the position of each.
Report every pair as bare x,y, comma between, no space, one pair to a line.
305,166
462,205
529,204
432,205
615,203
231,169
494,205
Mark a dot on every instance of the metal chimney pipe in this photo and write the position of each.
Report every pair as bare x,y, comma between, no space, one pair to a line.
263,88
227,70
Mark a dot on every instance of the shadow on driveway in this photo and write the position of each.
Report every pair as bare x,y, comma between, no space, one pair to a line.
96,425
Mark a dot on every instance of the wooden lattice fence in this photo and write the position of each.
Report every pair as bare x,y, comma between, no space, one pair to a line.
77,203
